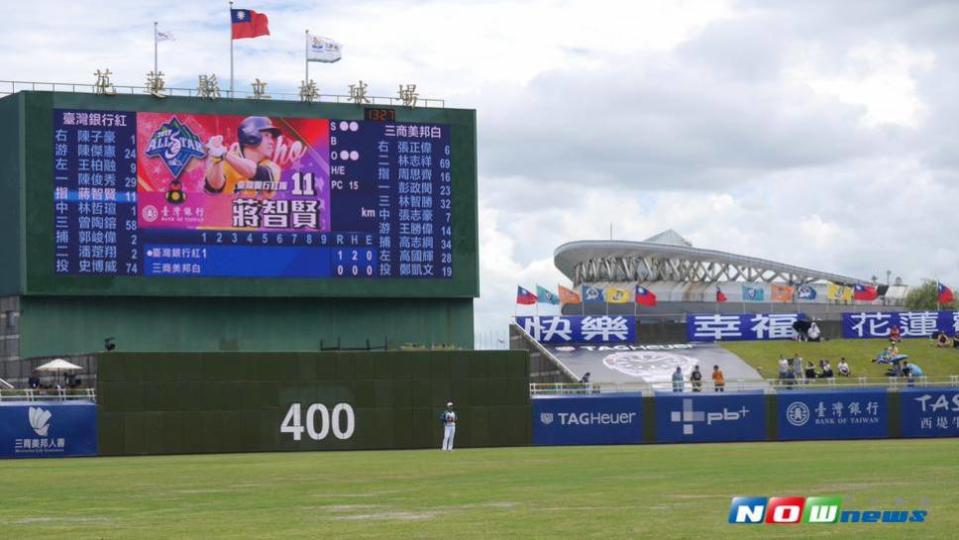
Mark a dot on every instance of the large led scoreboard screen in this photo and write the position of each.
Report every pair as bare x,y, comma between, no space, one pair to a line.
183,195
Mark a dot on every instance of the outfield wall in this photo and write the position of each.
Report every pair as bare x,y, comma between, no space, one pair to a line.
222,402
743,416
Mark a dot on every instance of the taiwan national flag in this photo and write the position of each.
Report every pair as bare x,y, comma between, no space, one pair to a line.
720,297
249,24
945,294
864,292
525,297
645,297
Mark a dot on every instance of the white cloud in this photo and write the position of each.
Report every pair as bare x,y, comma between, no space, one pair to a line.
815,133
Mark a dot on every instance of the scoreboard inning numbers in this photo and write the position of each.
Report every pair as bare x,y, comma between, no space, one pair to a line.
193,195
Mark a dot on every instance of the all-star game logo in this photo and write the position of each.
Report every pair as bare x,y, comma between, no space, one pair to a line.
176,145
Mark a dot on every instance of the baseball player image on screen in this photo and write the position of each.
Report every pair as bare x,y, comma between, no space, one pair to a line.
448,417
247,168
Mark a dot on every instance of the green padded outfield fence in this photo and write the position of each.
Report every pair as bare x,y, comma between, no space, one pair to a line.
238,402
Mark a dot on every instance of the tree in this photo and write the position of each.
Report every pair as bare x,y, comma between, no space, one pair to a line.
926,298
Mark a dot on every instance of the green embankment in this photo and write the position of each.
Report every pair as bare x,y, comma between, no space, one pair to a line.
936,363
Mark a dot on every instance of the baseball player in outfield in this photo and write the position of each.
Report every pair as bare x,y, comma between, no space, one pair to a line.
448,417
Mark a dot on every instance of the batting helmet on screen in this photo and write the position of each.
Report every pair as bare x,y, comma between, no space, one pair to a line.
251,128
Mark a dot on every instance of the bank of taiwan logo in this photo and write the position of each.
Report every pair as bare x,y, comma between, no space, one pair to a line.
797,413
39,420
546,418
176,144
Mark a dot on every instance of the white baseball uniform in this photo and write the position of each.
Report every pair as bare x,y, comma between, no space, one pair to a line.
449,429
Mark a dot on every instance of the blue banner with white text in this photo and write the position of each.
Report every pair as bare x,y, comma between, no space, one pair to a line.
850,414
930,412
691,417
580,329
587,420
741,326
48,429
878,324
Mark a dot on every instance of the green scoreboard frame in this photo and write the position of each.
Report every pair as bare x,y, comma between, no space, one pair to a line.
28,171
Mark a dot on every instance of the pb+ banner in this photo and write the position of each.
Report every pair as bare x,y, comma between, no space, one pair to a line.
710,418
581,329
48,429
911,323
930,412
833,415
587,420
741,327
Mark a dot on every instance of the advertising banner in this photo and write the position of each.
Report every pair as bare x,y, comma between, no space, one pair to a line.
249,173
587,420
581,329
48,429
930,412
741,327
850,414
690,417
911,323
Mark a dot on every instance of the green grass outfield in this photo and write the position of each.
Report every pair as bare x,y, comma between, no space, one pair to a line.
655,491
935,362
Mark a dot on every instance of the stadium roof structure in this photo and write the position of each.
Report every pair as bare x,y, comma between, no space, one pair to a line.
668,256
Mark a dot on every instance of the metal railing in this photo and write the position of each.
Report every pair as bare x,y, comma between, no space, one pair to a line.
746,385
12,87
51,394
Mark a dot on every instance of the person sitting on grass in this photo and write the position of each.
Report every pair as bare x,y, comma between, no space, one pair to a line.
810,370
843,367
814,334
825,369
790,378
895,334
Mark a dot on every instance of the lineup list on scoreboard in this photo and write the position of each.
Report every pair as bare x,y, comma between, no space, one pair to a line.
177,194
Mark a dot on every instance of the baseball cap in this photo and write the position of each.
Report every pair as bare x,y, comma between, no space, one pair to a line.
449,403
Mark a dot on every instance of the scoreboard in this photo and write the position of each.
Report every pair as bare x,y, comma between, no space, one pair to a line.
196,195
184,197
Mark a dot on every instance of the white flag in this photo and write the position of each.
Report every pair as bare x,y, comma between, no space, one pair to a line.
164,36
321,49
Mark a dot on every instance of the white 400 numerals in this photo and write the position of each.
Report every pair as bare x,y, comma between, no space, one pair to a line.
295,424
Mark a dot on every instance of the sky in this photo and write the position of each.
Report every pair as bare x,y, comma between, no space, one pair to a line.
817,133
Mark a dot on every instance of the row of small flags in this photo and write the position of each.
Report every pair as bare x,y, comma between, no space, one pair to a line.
591,295
646,297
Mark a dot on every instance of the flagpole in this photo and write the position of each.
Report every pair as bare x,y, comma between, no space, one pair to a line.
155,68
231,48
306,58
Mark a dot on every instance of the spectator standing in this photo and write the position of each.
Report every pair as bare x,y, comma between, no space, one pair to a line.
678,380
783,366
696,377
719,381
797,365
